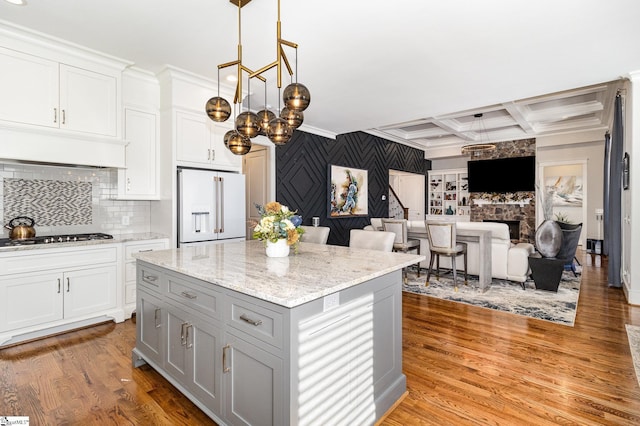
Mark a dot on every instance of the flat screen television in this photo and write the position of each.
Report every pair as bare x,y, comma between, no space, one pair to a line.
502,174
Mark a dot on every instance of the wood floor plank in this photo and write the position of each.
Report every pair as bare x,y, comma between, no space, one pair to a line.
465,365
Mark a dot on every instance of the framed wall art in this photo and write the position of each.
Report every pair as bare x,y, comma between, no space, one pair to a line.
348,192
567,190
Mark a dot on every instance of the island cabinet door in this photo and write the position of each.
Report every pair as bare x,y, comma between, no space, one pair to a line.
194,356
253,384
149,326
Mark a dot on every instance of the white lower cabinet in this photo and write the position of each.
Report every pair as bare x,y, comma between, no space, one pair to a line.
47,290
30,300
89,290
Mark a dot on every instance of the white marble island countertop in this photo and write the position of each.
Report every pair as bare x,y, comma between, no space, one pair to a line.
315,271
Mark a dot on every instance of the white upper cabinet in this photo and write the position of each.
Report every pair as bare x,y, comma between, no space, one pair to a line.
40,92
29,87
139,179
200,142
88,101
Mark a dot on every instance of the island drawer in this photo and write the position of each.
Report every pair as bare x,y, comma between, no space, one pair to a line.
256,321
149,277
195,296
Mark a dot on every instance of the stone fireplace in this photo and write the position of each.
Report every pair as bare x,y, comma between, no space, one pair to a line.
521,216
514,227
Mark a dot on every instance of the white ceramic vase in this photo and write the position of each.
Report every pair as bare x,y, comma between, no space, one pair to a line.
278,249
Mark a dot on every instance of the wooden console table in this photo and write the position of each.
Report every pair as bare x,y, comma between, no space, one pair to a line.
481,236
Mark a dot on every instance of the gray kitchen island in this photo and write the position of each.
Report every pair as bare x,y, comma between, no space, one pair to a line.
312,338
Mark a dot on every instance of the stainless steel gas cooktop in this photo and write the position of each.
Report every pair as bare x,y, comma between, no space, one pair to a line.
48,239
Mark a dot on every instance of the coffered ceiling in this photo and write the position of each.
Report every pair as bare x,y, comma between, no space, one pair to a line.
587,108
411,71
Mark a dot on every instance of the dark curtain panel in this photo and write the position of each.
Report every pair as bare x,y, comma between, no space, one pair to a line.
613,204
605,200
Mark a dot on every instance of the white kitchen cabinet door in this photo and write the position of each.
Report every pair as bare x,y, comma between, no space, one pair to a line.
29,88
88,101
29,300
193,138
200,142
221,156
87,291
139,179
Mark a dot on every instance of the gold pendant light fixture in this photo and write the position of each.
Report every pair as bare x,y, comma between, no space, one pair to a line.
296,97
475,150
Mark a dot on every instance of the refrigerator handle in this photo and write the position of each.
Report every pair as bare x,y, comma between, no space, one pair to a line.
221,204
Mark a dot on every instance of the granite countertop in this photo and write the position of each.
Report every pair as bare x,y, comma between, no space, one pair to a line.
315,271
117,238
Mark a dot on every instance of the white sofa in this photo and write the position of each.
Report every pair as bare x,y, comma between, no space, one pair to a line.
508,261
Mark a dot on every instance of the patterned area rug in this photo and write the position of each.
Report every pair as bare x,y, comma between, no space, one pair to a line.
506,295
633,333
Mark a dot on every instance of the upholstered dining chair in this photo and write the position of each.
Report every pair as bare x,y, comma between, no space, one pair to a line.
402,243
315,234
379,240
442,241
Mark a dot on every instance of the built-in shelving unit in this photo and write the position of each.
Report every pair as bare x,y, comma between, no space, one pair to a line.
448,193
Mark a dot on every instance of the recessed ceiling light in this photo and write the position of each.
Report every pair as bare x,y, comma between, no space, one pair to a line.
17,2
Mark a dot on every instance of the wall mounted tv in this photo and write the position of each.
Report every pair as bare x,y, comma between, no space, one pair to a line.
502,174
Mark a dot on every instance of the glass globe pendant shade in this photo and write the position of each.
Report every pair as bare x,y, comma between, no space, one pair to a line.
265,116
279,132
238,144
248,124
218,109
294,118
296,97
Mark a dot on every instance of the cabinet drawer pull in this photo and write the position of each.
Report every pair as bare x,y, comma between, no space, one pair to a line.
225,369
67,284
58,285
189,333
156,317
64,117
150,278
55,115
251,321
144,251
189,295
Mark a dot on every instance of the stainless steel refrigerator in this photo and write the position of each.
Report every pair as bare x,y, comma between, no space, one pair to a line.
211,206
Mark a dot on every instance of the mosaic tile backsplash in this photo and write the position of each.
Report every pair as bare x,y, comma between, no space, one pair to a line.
66,200
48,202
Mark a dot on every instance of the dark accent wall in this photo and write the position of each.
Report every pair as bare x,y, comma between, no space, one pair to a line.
302,173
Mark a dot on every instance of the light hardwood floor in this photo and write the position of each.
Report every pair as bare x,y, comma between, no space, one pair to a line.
464,365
